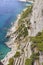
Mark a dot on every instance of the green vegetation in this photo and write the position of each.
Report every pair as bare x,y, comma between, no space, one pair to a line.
39,34
28,62
26,12
22,30
42,63
37,45
32,58
38,40
33,46
40,46
11,60
17,54
35,56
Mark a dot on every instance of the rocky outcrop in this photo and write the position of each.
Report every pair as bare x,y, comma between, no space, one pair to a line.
37,17
36,20
1,63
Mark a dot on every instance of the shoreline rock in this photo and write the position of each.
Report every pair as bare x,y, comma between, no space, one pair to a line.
9,43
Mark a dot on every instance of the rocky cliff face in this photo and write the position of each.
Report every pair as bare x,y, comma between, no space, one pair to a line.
37,17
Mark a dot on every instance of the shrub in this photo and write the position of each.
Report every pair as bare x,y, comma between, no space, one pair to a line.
35,56
39,33
11,60
28,62
38,40
17,54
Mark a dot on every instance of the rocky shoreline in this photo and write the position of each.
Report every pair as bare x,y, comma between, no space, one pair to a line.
36,26
9,43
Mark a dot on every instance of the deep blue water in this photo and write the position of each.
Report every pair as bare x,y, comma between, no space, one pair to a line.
9,9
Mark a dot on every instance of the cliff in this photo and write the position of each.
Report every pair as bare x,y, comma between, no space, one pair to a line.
37,17
29,24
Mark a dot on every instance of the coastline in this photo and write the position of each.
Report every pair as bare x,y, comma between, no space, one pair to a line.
9,44
9,55
12,46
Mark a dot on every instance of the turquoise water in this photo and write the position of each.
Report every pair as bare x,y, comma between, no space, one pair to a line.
9,9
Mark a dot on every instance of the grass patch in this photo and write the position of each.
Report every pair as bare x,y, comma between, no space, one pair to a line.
23,25
33,46
22,32
38,40
17,54
35,56
28,62
11,60
26,12
40,46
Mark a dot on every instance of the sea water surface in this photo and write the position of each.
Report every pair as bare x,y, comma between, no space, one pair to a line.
9,9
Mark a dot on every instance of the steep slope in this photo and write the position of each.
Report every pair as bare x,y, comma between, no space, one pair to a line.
29,24
19,37
37,17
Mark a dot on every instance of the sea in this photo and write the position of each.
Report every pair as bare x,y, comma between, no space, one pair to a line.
9,9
